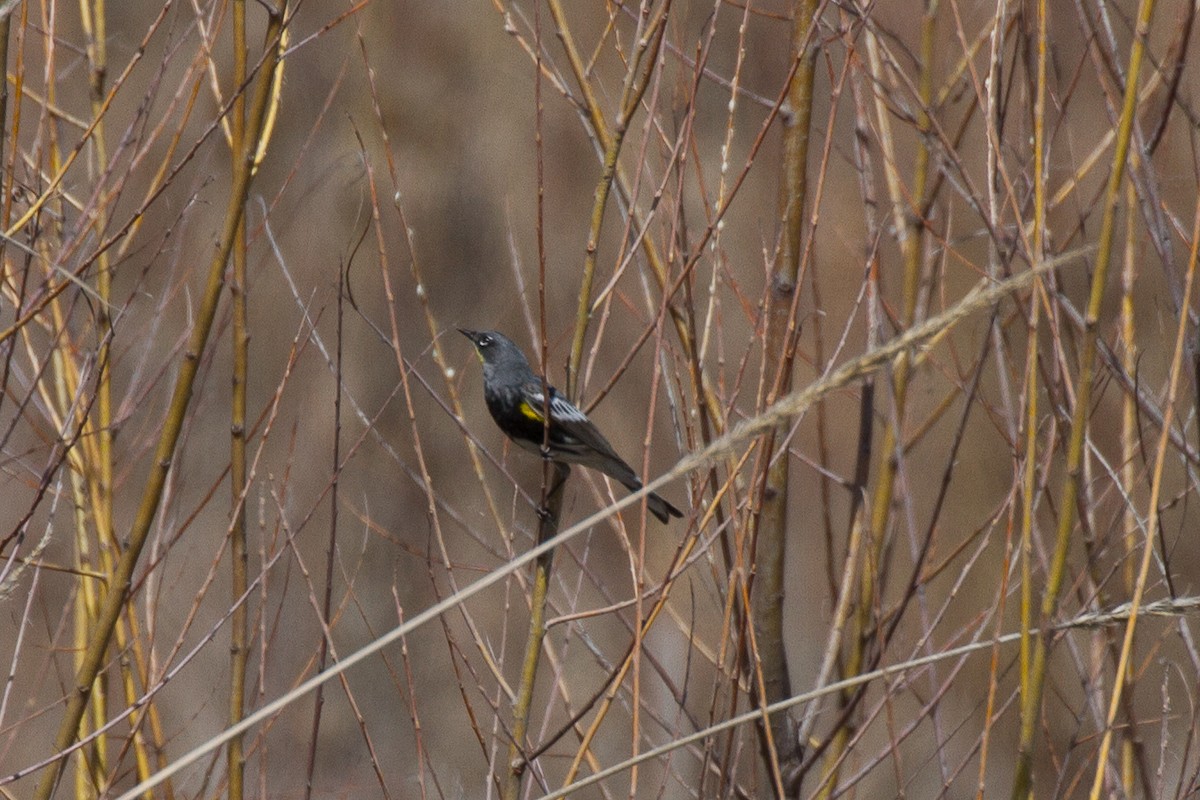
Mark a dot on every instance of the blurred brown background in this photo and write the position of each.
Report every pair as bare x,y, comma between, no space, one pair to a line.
423,115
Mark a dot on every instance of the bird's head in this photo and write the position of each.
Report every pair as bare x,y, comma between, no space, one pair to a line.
496,350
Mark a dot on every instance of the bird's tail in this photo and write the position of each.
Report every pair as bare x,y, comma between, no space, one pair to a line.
622,473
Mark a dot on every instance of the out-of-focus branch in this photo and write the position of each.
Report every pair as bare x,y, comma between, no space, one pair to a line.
641,67
114,600
906,207
555,482
706,399
799,401
235,759
1031,699
780,746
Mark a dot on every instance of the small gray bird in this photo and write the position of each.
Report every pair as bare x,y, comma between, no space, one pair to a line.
514,396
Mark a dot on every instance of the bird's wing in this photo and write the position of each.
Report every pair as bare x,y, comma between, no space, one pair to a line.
574,424
561,409
571,429
578,440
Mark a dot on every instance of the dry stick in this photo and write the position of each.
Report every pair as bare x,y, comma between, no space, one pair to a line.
796,403
695,355
327,619
840,590
614,681
910,226
637,79
447,373
547,529
1160,458
331,546
68,380
100,475
1141,171
1129,479
73,278
52,187
733,640
6,205
649,35
1123,612
424,481
1029,471
1032,698
136,705
554,480
6,188
706,399
235,758
451,386
688,320
114,601
92,770
57,389
922,573
768,541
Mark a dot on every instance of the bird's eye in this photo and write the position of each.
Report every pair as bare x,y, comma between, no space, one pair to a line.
484,341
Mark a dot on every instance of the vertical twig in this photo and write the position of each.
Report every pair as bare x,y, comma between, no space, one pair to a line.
637,78
331,545
553,482
1129,454
554,479
769,536
907,209
1155,501
235,759
122,577
1031,698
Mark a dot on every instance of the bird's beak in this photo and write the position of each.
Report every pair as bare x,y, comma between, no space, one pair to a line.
474,337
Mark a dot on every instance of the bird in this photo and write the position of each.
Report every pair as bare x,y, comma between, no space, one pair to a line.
514,396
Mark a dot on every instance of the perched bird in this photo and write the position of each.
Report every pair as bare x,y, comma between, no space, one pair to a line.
514,396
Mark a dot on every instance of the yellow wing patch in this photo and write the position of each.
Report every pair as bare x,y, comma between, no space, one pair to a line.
529,411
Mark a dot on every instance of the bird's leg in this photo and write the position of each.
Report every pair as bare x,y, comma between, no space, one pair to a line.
554,488
561,472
